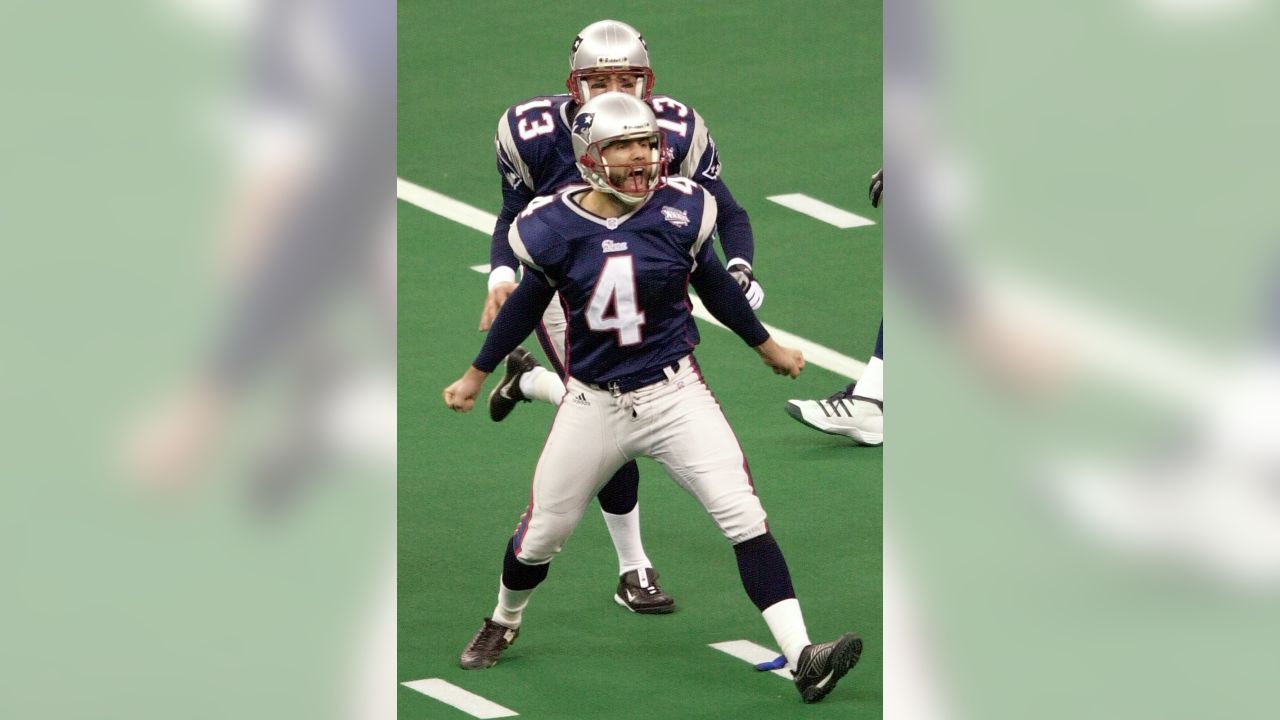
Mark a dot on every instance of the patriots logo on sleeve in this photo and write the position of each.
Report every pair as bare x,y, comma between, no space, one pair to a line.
713,172
582,123
508,170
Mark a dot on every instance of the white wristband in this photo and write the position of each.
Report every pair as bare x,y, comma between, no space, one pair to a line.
738,261
501,274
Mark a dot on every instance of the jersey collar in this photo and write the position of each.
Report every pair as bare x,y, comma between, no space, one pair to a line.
610,223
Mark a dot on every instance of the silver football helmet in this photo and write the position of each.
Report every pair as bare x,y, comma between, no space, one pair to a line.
608,47
609,118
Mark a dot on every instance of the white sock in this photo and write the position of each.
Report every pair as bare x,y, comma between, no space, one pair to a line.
542,384
625,531
511,604
871,384
787,625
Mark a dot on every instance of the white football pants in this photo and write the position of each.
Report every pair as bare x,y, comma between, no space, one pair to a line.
676,421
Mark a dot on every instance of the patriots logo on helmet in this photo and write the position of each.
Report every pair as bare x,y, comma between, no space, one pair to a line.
582,123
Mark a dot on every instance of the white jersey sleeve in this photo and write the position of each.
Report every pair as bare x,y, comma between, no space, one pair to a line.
514,168
518,247
536,246
708,225
701,162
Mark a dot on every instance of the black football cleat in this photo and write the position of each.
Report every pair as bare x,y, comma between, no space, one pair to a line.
486,645
638,592
820,667
504,397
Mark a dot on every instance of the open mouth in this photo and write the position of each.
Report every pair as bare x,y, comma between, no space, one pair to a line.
635,181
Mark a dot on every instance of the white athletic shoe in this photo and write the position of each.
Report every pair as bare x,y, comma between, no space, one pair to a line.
843,413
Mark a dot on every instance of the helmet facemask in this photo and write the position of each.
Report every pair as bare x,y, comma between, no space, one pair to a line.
629,182
579,82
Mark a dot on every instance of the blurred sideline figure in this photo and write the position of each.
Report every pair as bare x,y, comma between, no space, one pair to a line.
1205,504
309,226
309,232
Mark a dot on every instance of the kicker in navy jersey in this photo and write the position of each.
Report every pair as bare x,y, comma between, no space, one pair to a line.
626,285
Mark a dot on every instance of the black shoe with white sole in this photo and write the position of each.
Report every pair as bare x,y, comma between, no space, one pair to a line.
820,667
638,592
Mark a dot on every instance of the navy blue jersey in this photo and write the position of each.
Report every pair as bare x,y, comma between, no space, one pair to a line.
623,282
535,157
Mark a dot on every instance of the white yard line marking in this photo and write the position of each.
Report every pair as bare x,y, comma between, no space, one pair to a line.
445,206
467,702
814,353
752,653
431,201
817,209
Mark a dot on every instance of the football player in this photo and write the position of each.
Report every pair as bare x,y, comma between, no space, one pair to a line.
620,253
536,157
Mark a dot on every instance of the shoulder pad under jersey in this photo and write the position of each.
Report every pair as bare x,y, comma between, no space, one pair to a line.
527,136
692,152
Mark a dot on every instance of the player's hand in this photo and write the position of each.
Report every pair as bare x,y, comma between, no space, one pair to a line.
877,187
746,280
783,360
493,303
461,395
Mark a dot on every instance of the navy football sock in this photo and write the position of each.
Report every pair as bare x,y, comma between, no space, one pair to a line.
764,571
620,495
521,576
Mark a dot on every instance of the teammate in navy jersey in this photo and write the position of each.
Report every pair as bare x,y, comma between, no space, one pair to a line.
618,255
535,158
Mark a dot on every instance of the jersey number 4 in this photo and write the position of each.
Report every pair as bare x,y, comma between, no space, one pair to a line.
613,303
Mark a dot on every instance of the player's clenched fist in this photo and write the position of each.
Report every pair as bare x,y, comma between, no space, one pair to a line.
784,360
461,395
